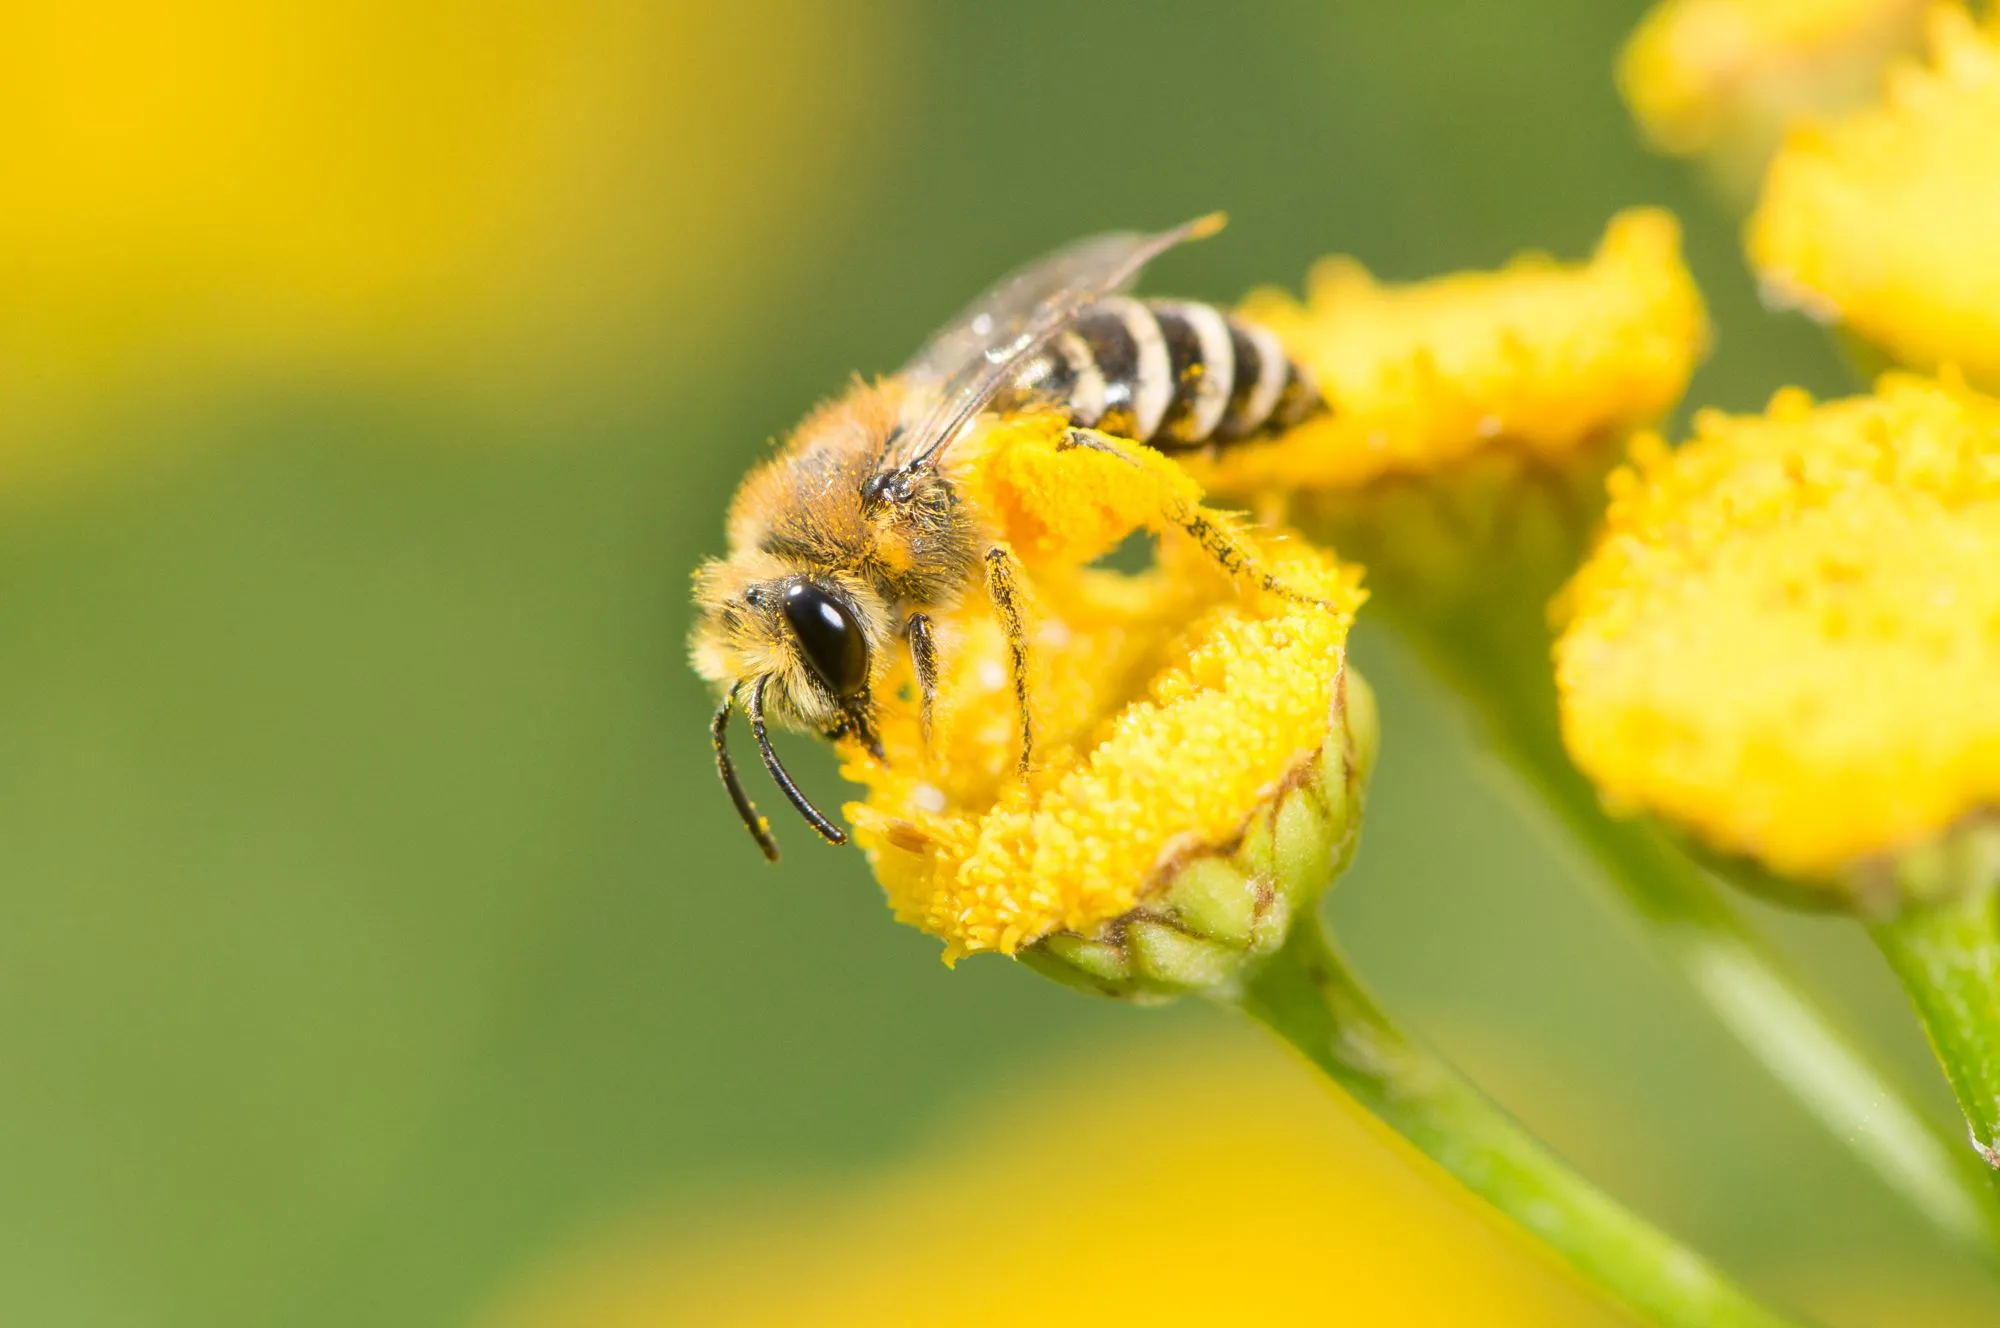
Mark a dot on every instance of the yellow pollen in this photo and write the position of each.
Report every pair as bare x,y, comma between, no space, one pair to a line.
1886,221
1539,356
1788,638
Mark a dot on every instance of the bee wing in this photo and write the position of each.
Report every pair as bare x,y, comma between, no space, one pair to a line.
975,355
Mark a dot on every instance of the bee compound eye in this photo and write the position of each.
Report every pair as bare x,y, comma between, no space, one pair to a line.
830,636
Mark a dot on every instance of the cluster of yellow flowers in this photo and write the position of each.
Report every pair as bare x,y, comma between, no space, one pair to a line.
1787,640
1744,588
1186,720
1783,640
1745,593
1786,644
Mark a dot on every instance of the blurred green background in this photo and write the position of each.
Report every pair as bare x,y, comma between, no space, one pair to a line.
369,384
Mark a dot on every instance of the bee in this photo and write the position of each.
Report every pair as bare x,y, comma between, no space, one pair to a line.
846,546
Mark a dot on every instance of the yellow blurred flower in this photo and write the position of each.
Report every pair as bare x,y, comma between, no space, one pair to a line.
1208,1186
458,191
1885,221
1178,717
1538,358
1723,79
1788,640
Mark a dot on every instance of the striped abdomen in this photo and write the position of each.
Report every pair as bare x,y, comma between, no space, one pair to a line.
1171,373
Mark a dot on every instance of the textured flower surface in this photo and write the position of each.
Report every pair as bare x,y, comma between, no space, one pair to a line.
1701,73
1172,709
1204,1186
1788,639
1539,357
1884,221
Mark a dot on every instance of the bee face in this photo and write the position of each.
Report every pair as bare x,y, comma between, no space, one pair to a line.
813,638
799,647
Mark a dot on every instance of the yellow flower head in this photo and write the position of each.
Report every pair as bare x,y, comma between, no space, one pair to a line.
1788,639
1888,221
1473,418
1539,357
1195,754
1725,76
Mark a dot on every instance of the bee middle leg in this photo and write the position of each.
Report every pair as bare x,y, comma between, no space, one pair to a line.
1002,586
1209,532
923,659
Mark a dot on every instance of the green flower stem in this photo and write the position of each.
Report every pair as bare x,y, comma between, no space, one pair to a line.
1947,956
1729,964
1307,996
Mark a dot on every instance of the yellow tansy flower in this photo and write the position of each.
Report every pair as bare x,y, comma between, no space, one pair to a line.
1193,1185
1199,747
1788,640
1885,221
1472,420
1724,78
1539,358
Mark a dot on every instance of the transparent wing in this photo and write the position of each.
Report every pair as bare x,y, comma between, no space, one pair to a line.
974,356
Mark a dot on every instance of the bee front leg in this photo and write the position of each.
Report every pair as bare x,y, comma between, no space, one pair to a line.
923,658
1001,586
1210,531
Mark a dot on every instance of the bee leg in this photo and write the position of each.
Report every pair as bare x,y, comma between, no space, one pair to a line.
1000,584
1233,555
923,657
1095,442
1209,530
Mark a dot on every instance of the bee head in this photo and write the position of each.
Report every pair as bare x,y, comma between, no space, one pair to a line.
797,646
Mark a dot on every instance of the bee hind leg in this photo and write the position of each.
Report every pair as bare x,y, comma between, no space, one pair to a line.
1210,531
1094,441
1003,587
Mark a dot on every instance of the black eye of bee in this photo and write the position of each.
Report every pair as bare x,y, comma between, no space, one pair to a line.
829,636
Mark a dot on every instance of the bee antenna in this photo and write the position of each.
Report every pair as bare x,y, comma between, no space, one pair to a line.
718,731
828,831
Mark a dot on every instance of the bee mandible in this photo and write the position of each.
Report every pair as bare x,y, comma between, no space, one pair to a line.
848,544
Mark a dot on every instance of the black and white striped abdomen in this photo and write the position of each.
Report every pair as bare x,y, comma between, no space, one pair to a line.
1171,373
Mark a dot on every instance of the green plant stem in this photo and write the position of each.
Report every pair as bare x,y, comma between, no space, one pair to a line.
1728,963
1947,956
1307,996
1754,996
